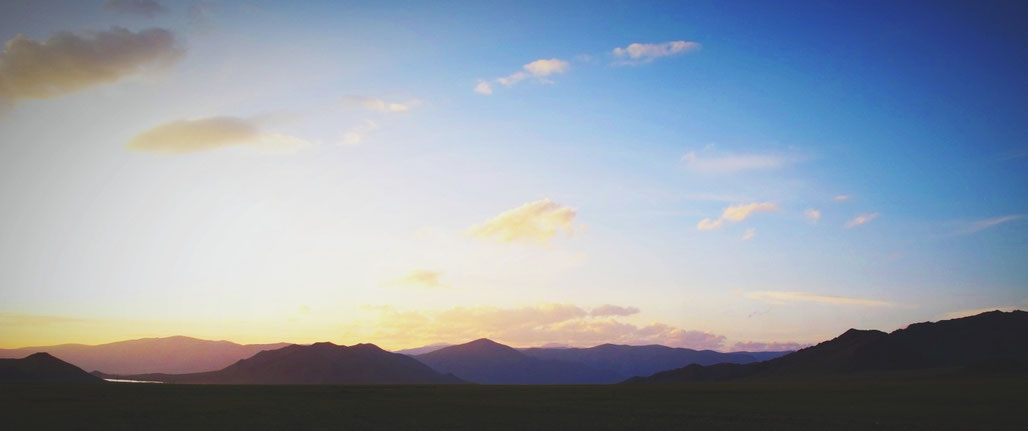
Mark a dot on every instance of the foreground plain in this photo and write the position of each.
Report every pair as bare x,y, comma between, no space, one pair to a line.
856,404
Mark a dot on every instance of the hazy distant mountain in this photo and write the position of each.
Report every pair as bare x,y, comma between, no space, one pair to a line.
150,355
319,363
489,362
423,349
42,368
630,361
988,342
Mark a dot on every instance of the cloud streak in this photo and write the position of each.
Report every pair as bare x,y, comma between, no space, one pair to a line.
730,164
736,213
535,222
420,279
540,70
642,53
532,326
67,62
861,220
775,297
381,106
201,134
988,223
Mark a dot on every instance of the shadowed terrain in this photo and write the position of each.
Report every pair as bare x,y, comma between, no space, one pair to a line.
993,342
42,368
486,361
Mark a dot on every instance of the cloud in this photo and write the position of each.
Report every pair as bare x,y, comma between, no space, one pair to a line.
861,219
483,87
147,8
539,70
757,346
420,279
185,136
379,105
736,213
750,234
67,62
841,198
534,222
983,224
732,163
531,326
641,53
355,135
613,310
790,297
812,215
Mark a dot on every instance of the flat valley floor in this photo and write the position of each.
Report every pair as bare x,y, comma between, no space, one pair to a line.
857,404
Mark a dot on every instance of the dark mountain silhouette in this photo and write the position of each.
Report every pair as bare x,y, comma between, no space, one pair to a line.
489,362
423,349
988,342
150,355
42,368
319,363
629,361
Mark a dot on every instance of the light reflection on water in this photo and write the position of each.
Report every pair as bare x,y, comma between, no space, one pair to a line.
130,381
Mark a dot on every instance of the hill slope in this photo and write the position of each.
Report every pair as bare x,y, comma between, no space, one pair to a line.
319,363
629,361
988,342
150,355
489,362
42,368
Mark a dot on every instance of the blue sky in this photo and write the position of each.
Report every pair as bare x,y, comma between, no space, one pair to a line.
759,173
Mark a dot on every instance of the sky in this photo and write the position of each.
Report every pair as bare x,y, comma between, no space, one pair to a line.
712,175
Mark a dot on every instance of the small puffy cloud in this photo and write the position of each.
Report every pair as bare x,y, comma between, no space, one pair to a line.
736,213
861,219
147,8
983,224
613,310
185,136
641,53
534,222
420,279
68,62
841,198
379,105
539,70
750,234
812,215
531,326
774,297
728,164
483,87
776,346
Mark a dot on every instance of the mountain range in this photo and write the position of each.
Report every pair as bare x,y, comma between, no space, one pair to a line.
990,342
173,355
42,368
318,363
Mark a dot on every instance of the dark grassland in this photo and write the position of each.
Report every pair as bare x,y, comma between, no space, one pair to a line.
996,403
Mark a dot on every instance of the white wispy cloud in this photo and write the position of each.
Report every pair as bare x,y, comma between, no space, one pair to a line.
776,297
355,135
534,222
861,220
379,105
812,215
750,234
539,70
641,53
69,62
841,198
728,164
736,213
980,225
